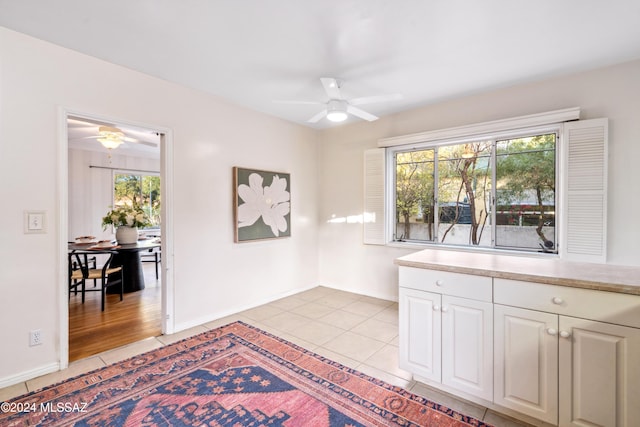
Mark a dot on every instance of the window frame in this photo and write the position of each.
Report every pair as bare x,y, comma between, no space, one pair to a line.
417,145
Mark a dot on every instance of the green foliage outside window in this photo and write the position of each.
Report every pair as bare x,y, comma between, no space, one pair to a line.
526,183
494,193
141,191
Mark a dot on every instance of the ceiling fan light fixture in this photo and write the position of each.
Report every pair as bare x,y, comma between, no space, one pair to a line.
110,137
337,116
110,142
337,111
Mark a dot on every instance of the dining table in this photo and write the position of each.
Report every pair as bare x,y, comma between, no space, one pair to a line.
127,256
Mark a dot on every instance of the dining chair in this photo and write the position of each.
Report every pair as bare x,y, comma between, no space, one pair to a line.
152,255
107,275
87,259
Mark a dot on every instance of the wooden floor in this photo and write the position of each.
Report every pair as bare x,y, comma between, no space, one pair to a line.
137,317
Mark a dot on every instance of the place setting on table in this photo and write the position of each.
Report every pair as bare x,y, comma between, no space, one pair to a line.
104,245
90,243
144,238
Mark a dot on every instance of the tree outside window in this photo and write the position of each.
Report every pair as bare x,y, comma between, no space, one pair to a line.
464,190
139,191
526,188
414,194
491,193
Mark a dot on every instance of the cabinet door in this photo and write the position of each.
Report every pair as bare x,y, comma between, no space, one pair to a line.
467,345
420,333
526,361
599,374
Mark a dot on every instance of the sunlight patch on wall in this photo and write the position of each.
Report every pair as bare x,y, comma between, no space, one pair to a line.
353,219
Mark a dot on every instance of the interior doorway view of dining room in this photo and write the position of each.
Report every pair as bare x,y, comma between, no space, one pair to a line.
113,167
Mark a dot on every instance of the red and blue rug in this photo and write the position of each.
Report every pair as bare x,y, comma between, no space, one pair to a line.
236,375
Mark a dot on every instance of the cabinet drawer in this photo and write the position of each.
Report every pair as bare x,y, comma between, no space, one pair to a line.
447,283
610,307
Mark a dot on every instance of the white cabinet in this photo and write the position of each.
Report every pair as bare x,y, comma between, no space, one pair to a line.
443,338
467,351
420,333
599,366
563,369
567,356
526,362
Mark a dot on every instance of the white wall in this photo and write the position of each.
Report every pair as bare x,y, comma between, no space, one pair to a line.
612,92
212,275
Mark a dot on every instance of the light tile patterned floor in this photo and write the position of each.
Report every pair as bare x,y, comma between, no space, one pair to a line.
357,331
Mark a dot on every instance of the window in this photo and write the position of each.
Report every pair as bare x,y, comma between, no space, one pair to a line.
484,192
526,192
557,203
139,190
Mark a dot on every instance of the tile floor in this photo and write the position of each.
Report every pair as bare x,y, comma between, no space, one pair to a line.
357,331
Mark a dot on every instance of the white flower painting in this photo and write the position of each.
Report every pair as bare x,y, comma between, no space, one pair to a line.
263,206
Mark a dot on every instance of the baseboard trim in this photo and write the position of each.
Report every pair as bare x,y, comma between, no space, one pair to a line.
237,309
29,375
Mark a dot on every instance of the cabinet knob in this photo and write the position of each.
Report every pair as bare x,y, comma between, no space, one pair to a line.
439,283
552,331
565,334
444,309
436,307
557,300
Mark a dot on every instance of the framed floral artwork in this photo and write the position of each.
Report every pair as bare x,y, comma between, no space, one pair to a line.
262,204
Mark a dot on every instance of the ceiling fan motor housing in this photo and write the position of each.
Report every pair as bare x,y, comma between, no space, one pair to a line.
109,131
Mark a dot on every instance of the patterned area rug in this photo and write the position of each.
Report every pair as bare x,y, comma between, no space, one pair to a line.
236,375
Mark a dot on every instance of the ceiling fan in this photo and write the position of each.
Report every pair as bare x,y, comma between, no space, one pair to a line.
107,134
337,108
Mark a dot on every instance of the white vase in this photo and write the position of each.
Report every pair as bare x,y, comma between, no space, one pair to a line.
126,235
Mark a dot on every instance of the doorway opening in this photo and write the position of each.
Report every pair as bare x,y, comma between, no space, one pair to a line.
112,163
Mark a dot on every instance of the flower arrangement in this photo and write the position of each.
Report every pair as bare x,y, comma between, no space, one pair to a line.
130,216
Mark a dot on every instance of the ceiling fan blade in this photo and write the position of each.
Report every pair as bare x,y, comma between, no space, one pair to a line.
83,137
139,141
375,98
361,113
299,102
317,117
332,87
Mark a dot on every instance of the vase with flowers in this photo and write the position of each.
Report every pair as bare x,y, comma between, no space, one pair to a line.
126,219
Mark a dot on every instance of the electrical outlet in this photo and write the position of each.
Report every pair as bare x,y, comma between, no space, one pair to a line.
35,337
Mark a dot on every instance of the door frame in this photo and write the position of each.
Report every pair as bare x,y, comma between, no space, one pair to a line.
166,189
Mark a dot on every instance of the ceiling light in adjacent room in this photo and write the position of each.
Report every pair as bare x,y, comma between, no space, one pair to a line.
110,137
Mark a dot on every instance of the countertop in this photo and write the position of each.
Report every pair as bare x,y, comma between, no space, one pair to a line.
602,277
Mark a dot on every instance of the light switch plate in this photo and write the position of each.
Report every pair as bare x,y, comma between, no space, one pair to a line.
35,222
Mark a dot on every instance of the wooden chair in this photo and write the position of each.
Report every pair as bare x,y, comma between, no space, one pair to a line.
154,256
87,259
107,275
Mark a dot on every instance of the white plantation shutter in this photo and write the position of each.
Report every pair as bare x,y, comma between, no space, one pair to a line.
374,179
585,190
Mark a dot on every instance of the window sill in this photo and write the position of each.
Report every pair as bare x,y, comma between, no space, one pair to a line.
453,248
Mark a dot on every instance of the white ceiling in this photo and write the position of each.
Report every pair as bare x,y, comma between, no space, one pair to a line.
255,52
